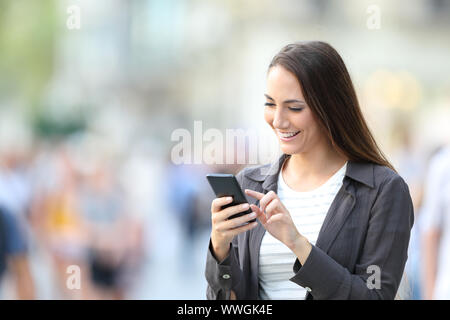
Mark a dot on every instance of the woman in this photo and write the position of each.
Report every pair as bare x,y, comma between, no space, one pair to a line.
337,215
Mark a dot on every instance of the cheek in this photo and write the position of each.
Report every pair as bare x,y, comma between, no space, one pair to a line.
313,125
314,130
304,121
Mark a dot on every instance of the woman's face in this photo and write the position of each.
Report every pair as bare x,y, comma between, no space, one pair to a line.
288,115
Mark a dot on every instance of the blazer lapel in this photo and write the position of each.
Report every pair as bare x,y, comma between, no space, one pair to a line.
344,202
338,212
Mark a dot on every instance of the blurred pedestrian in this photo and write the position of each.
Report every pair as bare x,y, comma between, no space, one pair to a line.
410,162
107,233
187,186
436,227
13,255
62,225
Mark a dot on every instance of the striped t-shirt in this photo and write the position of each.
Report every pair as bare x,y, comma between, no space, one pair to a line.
308,211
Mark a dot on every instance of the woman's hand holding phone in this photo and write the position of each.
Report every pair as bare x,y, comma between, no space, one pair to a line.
223,229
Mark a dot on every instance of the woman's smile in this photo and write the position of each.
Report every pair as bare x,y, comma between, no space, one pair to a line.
287,135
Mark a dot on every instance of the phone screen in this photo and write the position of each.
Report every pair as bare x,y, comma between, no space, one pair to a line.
226,185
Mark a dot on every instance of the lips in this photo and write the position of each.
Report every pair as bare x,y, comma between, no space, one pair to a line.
287,136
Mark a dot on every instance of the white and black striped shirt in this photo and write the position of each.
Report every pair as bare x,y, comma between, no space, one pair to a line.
308,211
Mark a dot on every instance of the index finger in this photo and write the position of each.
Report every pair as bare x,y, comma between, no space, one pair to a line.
254,194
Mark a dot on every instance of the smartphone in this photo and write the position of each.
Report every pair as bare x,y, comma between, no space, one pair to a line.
226,185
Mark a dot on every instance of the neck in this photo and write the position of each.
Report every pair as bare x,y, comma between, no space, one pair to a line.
321,160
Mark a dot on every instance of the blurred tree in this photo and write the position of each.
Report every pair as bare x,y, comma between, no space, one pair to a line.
48,127
28,31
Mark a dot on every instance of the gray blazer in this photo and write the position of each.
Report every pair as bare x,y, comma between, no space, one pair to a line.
368,224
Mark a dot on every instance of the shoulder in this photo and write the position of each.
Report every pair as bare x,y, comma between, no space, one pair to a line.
371,175
391,188
384,175
376,178
391,200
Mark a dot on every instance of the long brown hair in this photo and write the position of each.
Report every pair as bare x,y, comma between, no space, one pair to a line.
329,92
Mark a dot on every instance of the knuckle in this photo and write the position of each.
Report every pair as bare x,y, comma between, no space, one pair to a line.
242,219
227,212
234,224
235,209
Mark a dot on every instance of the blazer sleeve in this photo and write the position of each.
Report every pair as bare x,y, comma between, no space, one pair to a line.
385,249
224,276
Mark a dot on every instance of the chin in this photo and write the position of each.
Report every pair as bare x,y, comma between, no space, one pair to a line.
290,150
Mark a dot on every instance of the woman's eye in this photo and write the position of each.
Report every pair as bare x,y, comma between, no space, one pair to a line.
269,104
296,109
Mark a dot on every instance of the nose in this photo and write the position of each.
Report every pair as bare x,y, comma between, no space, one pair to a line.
280,121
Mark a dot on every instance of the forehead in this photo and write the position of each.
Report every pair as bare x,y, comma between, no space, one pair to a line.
283,83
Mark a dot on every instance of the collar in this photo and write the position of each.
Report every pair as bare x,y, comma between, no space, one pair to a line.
362,172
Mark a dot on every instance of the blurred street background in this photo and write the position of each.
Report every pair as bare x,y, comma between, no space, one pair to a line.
87,116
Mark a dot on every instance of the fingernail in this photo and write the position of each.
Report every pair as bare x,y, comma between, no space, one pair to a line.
245,206
229,198
253,214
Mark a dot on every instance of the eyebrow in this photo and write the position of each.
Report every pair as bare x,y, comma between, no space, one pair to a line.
285,101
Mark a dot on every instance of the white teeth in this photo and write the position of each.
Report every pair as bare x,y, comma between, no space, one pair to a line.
287,134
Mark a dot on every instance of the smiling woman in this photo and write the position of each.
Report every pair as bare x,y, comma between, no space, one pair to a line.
313,76
333,206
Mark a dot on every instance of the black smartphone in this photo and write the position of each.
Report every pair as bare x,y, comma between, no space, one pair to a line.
226,185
